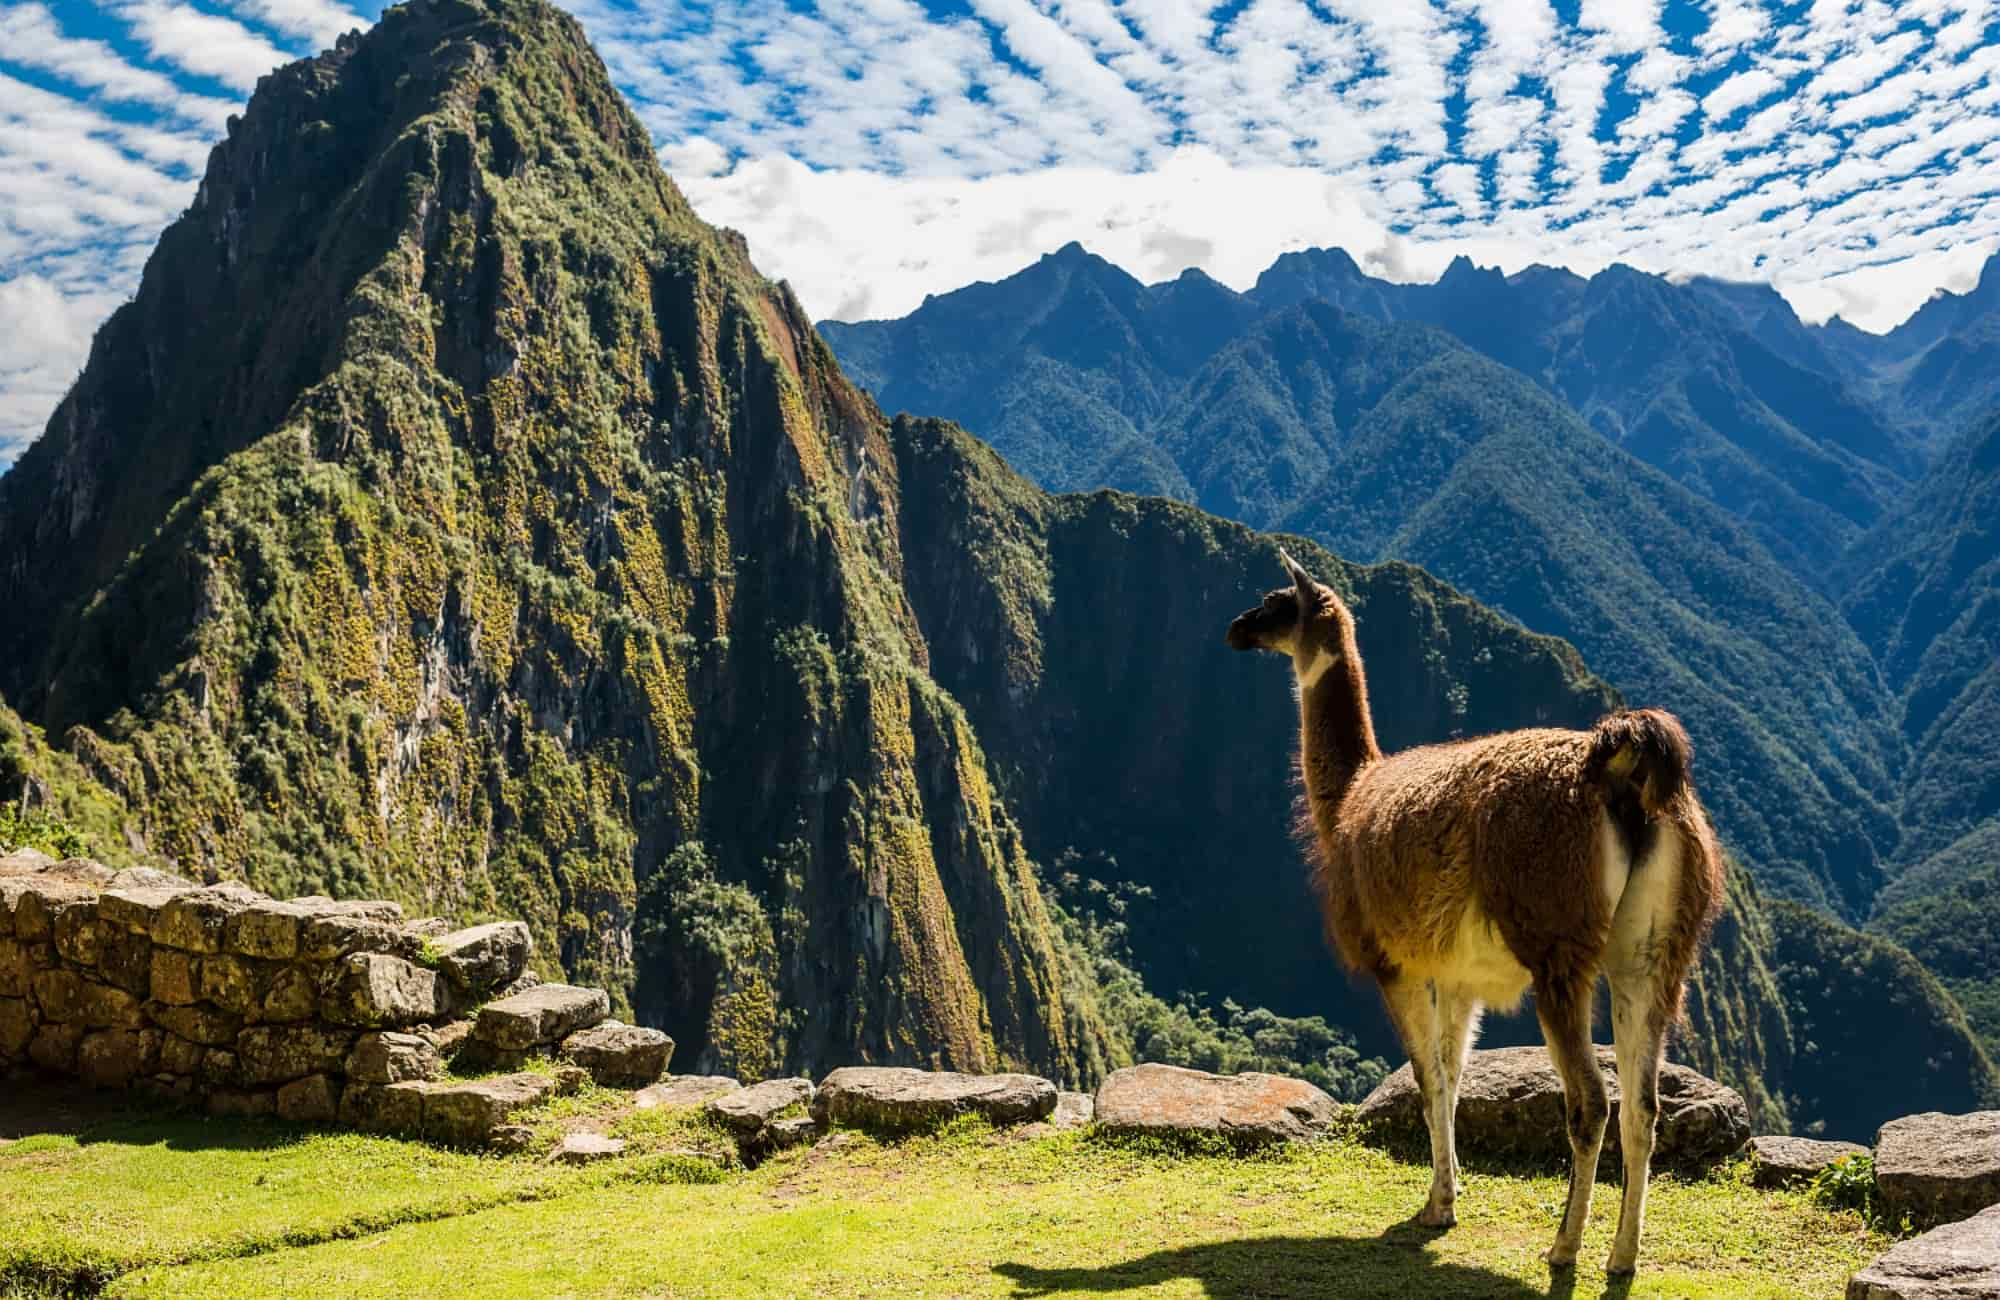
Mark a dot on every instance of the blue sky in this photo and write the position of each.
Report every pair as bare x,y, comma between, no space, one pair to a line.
877,150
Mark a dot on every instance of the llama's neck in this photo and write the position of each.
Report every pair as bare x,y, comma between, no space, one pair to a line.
1336,734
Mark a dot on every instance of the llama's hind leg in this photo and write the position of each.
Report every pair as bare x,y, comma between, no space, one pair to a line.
1639,1030
1564,1010
1436,1028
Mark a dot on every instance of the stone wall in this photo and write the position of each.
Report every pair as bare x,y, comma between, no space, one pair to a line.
306,1008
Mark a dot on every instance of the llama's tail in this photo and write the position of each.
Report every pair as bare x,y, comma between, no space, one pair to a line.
1642,756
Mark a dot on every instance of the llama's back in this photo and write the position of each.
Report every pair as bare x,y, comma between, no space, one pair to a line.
1499,855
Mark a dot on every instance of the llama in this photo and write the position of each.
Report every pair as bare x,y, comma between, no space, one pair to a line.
1460,875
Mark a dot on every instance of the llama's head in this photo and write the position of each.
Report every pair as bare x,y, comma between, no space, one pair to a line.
1305,620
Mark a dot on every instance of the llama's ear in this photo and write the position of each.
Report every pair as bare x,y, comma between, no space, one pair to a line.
1308,589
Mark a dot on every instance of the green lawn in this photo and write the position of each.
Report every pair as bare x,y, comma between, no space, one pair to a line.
206,1208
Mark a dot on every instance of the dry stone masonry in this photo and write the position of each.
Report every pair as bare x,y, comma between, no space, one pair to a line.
308,1009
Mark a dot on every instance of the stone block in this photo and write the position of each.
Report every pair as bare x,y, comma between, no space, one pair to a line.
895,1098
466,1113
102,1006
379,991
235,984
683,1090
393,1058
54,1046
542,1015
238,1103
112,1058
221,1068
784,1134
180,1055
448,1038
1959,1261
175,976
1785,1161
34,901
374,1108
15,973
75,927
586,1148
17,1026
620,1056
1073,1110
270,1054
746,1111
268,929
125,958
58,994
484,957
331,930
200,1023
314,1099
136,908
194,921
293,995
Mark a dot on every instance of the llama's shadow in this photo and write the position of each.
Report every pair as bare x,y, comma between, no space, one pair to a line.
1392,1264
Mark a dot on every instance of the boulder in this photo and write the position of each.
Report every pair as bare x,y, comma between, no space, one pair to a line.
586,1148
1244,1108
467,1113
1510,1104
896,1098
540,1016
1785,1161
683,1090
484,957
619,1055
393,1058
377,1108
747,1111
1959,1261
1937,1168
314,1099
378,991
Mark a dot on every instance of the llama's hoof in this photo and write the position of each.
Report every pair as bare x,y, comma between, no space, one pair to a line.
1560,1256
1437,1216
1616,1267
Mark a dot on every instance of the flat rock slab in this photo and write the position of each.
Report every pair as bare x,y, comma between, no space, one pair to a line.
1959,1261
895,1098
1785,1161
537,1017
467,1113
484,957
586,1148
746,1111
1168,1100
619,1055
683,1090
1936,1167
1510,1104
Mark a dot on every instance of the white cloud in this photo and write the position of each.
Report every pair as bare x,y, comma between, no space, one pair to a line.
202,43
31,38
48,333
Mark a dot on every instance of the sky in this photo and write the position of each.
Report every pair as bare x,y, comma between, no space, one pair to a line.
875,151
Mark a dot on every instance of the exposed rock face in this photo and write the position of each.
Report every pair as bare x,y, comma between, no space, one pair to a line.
619,1055
1959,1261
1246,1108
1936,1167
1510,1103
894,1099
1785,1161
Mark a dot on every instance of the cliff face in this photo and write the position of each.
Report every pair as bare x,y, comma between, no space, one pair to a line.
453,515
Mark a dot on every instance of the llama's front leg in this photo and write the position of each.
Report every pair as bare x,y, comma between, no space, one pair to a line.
1458,1023
1639,1030
1413,1006
1564,1011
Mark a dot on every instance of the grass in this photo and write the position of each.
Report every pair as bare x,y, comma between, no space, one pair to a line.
138,1206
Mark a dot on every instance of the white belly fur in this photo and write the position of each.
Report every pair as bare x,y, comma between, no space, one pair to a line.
1480,966
1645,909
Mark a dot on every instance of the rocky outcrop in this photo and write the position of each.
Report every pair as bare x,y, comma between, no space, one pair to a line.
307,1009
1510,1104
1248,1109
891,1099
1936,1168
1787,1161
1959,1261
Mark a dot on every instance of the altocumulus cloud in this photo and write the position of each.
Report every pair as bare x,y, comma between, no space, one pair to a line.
874,151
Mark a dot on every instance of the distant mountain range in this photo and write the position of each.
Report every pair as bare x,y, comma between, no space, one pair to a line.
1782,531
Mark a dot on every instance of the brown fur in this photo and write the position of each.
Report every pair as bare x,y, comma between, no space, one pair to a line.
1460,875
